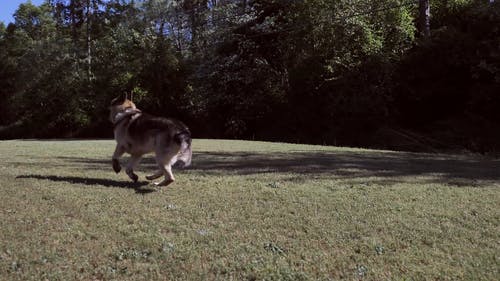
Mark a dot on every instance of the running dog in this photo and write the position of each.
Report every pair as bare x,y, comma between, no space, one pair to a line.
138,133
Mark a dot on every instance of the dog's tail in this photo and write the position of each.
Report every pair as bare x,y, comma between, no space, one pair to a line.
183,138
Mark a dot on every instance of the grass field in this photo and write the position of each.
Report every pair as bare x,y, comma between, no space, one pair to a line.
248,211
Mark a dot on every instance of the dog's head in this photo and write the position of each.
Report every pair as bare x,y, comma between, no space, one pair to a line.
120,105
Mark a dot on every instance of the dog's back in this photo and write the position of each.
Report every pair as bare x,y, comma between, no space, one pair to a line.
170,130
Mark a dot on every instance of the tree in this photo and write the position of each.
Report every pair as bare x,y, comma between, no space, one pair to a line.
310,71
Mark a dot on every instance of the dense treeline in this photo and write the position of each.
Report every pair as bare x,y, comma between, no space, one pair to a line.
319,71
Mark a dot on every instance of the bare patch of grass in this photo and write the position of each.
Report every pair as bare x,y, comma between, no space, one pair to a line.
248,211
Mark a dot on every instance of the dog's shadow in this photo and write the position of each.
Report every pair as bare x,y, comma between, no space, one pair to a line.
138,186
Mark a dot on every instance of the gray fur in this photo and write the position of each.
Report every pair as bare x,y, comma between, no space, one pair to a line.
139,133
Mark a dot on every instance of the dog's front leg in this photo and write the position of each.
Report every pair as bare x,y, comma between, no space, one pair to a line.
119,150
134,160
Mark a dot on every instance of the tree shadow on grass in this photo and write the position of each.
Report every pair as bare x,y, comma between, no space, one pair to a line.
92,182
386,167
382,167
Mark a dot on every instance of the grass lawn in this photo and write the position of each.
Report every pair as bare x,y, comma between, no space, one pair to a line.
248,211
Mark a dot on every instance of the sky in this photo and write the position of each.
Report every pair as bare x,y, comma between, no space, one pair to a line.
8,7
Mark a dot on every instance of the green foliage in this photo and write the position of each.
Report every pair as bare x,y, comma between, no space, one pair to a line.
312,71
457,89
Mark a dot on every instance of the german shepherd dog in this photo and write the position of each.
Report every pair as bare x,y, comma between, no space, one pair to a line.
138,133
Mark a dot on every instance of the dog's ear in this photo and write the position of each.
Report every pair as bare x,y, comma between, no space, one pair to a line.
118,100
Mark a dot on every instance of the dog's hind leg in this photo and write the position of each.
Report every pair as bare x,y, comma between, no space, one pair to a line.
134,160
169,177
165,163
156,175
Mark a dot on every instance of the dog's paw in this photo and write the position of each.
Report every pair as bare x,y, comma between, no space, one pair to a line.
132,175
164,182
116,166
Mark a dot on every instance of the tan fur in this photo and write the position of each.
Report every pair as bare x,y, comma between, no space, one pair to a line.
114,110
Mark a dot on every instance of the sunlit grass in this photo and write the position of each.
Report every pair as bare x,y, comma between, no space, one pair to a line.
248,211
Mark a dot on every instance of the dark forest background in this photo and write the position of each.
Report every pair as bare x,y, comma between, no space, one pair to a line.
344,72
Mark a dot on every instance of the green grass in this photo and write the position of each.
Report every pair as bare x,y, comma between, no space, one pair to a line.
248,211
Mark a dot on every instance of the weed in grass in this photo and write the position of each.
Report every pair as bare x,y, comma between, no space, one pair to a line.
170,207
361,270
203,232
275,249
379,249
15,266
274,185
133,254
167,247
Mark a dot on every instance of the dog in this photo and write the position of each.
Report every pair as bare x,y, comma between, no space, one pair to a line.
138,133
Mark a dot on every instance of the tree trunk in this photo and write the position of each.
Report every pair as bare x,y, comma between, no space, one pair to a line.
89,54
424,18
